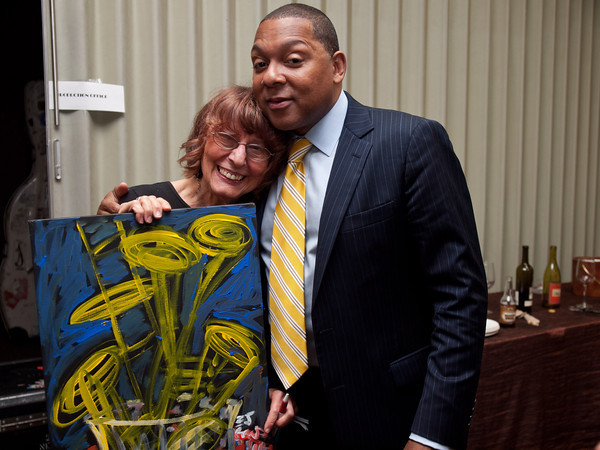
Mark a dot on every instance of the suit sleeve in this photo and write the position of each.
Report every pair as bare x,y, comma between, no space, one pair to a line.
442,230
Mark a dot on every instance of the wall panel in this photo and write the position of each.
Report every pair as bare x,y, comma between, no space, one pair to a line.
516,83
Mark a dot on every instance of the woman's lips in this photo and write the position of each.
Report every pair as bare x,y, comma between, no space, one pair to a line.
230,175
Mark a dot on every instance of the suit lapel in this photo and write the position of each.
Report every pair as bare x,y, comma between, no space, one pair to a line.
350,158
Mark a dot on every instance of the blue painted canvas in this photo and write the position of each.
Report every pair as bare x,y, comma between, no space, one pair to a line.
152,336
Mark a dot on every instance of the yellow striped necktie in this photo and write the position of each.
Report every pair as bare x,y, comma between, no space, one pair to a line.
286,278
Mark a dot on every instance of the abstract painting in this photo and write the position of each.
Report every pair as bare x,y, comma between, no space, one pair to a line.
152,336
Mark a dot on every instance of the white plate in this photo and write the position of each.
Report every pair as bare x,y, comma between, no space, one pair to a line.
491,327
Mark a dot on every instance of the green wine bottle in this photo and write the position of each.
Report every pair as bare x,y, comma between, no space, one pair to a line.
551,292
524,282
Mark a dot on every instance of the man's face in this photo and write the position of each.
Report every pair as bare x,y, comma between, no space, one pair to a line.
295,81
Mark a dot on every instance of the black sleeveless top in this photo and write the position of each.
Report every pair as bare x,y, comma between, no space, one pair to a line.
164,189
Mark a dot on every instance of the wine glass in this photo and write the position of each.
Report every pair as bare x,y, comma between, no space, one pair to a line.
585,271
490,276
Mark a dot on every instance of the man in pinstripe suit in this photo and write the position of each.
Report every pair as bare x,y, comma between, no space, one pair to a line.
394,282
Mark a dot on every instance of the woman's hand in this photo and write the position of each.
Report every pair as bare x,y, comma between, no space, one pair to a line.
146,208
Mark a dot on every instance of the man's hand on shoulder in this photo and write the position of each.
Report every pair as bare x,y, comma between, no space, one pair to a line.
110,202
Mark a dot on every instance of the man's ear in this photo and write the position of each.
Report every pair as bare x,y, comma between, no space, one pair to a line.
338,61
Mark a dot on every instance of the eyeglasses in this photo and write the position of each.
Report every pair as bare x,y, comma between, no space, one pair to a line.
253,151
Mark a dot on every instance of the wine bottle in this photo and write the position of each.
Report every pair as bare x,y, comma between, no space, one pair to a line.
551,291
524,282
508,305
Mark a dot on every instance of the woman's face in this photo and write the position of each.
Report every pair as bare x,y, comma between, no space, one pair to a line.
229,174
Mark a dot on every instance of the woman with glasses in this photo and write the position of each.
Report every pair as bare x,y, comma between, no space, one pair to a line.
231,154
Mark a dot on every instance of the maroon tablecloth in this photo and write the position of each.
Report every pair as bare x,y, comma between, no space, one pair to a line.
540,386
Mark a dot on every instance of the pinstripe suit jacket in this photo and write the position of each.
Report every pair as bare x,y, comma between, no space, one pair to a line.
399,303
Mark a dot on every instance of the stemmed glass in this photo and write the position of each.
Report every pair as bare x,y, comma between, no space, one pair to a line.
490,276
585,271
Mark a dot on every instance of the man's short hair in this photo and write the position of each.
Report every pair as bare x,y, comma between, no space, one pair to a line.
323,29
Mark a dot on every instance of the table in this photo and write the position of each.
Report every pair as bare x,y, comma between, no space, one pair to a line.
540,386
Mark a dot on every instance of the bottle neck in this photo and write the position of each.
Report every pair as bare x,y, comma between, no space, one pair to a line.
553,254
525,255
508,286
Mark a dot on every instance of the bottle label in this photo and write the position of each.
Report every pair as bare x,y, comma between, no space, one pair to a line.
529,300
554,293
526,296
508,314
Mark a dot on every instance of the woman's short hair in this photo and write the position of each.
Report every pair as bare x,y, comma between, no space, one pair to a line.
232,110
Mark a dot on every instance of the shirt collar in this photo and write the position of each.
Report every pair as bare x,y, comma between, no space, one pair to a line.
325,134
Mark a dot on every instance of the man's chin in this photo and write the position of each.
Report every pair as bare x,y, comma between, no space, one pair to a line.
282,123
